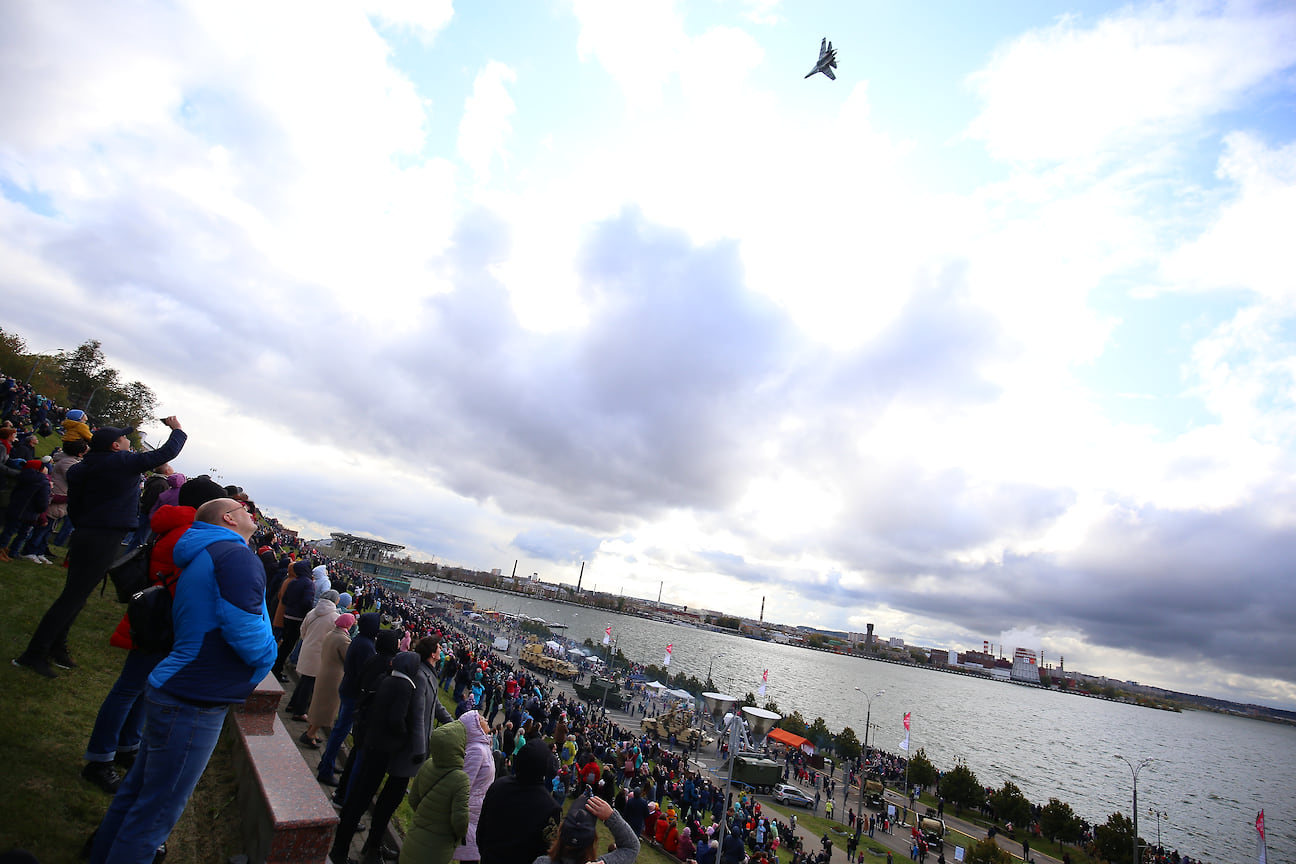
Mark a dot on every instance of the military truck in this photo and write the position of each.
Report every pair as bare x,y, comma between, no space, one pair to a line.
600,689
533,656
678,723
873,794
760,774
933,831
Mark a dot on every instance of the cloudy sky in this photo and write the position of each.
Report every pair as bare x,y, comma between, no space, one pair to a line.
990,338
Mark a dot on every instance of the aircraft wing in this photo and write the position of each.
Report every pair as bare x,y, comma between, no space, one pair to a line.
827,70
823,48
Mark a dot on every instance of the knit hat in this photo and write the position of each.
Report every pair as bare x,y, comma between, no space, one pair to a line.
76,414
345,620
34,464
198,491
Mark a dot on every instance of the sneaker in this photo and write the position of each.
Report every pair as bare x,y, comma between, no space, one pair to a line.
40,667
35,559
103,775
4,555
44,560
62,659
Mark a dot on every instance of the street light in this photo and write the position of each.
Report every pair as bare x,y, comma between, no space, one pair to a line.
868,716
1159,814
1134,772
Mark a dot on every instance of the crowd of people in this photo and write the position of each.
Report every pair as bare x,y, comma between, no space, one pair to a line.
488,781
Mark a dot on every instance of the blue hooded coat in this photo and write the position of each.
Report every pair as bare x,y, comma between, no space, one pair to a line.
223,642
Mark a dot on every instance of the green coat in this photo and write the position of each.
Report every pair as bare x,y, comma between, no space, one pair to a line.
439,798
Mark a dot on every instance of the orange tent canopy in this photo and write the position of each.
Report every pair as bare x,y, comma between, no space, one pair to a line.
790,740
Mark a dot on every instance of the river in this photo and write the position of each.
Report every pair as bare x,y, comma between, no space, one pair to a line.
1211,772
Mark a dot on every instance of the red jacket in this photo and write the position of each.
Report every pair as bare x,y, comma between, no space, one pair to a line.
169,522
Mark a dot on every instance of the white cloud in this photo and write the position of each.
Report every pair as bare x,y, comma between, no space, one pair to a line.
424,17
639,44
1146,73
485,125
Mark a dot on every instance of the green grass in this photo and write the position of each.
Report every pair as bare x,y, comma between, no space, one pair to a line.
817,826
45,725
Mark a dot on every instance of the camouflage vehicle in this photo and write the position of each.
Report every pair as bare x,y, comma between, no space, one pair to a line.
759,773
678,723
534,657
873,794
600,689
933,831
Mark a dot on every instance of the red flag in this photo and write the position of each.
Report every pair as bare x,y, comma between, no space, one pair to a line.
765,676
1260,824
907,713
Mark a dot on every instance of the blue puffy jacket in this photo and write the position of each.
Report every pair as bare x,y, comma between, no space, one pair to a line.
223,643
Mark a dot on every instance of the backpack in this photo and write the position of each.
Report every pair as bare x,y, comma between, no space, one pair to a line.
149,613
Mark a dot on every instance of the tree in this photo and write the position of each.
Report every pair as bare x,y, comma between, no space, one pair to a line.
794,723
921,771
986,851
1011,805
960,787
771,705
847,745
1059,822
819,733
1114,841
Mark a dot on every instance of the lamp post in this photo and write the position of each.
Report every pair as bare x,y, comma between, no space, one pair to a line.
1134,772
868,716
1159,814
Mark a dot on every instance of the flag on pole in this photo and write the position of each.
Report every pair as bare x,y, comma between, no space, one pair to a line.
1260,831
760,691
607,635
904,745
907,713
666,662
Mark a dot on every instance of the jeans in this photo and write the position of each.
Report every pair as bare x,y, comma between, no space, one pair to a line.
38,542
64,532
179,738
91,552
14,533
341,729
121,716
140,535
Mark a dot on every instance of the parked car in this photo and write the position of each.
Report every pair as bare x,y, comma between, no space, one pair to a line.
785,794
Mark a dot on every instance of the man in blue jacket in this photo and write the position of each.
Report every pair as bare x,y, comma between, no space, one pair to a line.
223,649
103,504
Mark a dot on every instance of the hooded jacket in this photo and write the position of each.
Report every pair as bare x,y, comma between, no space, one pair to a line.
439,797
425,705
170,524
519,818
362,648
299,594
391,720
479,765
223,642
315,626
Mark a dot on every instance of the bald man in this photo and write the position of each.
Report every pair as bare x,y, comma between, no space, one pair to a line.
223,649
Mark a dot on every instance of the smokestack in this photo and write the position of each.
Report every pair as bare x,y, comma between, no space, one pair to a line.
514,576
762,618
580,577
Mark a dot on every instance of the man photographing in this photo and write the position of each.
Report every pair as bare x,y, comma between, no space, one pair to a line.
223,648
103,504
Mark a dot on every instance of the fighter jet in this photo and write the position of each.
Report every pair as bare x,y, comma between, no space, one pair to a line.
827,60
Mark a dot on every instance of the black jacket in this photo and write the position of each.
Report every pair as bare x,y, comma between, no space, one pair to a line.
519,817
104,487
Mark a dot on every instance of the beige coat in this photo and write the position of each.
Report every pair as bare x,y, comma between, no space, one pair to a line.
325,700
315,626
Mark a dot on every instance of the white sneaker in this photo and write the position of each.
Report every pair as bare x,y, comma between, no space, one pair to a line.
35,559
44,560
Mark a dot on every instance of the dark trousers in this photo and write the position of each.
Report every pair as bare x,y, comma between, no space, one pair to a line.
301,698
291,633
90,552
366,777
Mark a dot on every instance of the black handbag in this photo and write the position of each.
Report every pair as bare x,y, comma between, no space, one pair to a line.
130,572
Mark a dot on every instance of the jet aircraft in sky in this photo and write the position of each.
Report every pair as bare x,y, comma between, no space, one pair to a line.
827,60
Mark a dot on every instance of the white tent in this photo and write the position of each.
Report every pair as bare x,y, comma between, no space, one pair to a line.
555,646
680,694
656,685
577,651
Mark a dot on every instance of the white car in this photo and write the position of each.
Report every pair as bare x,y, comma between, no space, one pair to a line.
785,794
